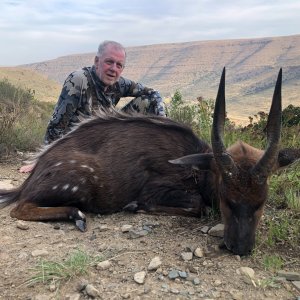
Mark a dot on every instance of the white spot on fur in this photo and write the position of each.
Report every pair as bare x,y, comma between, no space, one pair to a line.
74,189
90,168
55,187
81,215
72,161
188,209
82,180
58,164
82,199
96,178
65,187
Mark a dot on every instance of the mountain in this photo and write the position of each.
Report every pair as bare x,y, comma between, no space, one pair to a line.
194,68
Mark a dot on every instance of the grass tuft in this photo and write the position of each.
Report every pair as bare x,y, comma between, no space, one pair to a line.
78,263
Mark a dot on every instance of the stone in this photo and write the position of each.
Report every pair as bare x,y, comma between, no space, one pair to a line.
139,277
22,225
247,275
154,264
126,228
92,291
217,231
291,276
187,256
39,252
199,252
103,265
204,229
173,274
296,284
73,296
6,184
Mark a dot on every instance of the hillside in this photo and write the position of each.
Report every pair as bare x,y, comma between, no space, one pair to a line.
194,68
45,89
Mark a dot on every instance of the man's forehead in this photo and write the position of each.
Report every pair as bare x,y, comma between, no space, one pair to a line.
112,52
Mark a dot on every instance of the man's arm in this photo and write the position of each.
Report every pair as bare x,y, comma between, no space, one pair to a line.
64,115
130,88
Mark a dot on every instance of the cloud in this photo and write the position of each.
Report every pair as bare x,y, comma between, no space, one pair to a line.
33,30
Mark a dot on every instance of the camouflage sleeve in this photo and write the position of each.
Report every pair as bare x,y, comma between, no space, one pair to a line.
129,88
64,115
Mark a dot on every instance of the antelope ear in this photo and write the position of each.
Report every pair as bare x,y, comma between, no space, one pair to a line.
201,161
287,156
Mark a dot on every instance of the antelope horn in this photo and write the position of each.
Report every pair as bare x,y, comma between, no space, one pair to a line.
265,165
223,160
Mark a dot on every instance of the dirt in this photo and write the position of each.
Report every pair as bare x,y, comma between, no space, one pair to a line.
216,275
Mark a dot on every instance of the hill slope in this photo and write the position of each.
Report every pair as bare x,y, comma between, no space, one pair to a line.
194,68
45,89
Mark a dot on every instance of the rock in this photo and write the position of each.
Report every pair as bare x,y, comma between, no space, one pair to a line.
134,234
174,291
154,263
74,296
80,286
291,276
103,265
296,285
187,256
6,184
126,228
140,277
204,229
103,228
39,252
247,275
196,281
173,274
217,282
199,252
52,287
217,231
92,291
22,225
182,274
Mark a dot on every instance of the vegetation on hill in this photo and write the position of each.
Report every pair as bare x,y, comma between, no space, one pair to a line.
23,119
43,88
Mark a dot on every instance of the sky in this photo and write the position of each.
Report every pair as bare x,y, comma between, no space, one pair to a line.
36,30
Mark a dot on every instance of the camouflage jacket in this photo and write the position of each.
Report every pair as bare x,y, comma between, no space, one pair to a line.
83,94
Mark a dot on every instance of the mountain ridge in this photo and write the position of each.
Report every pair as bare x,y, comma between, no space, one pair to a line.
194,68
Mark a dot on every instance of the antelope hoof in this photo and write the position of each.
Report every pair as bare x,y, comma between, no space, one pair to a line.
81,224
131,207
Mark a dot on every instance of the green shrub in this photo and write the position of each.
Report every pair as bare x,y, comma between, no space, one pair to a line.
23,119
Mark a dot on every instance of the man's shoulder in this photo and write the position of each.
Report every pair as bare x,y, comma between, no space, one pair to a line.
81,72
79,76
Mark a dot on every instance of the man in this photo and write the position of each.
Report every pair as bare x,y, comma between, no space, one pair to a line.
99,87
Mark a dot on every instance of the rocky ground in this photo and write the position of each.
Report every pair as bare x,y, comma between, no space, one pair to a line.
144,257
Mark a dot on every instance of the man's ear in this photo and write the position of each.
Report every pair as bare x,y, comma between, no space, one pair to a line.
96,59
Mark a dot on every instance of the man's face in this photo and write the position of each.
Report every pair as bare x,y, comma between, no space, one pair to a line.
110,65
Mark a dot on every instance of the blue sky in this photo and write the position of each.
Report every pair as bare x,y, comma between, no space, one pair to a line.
38,30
